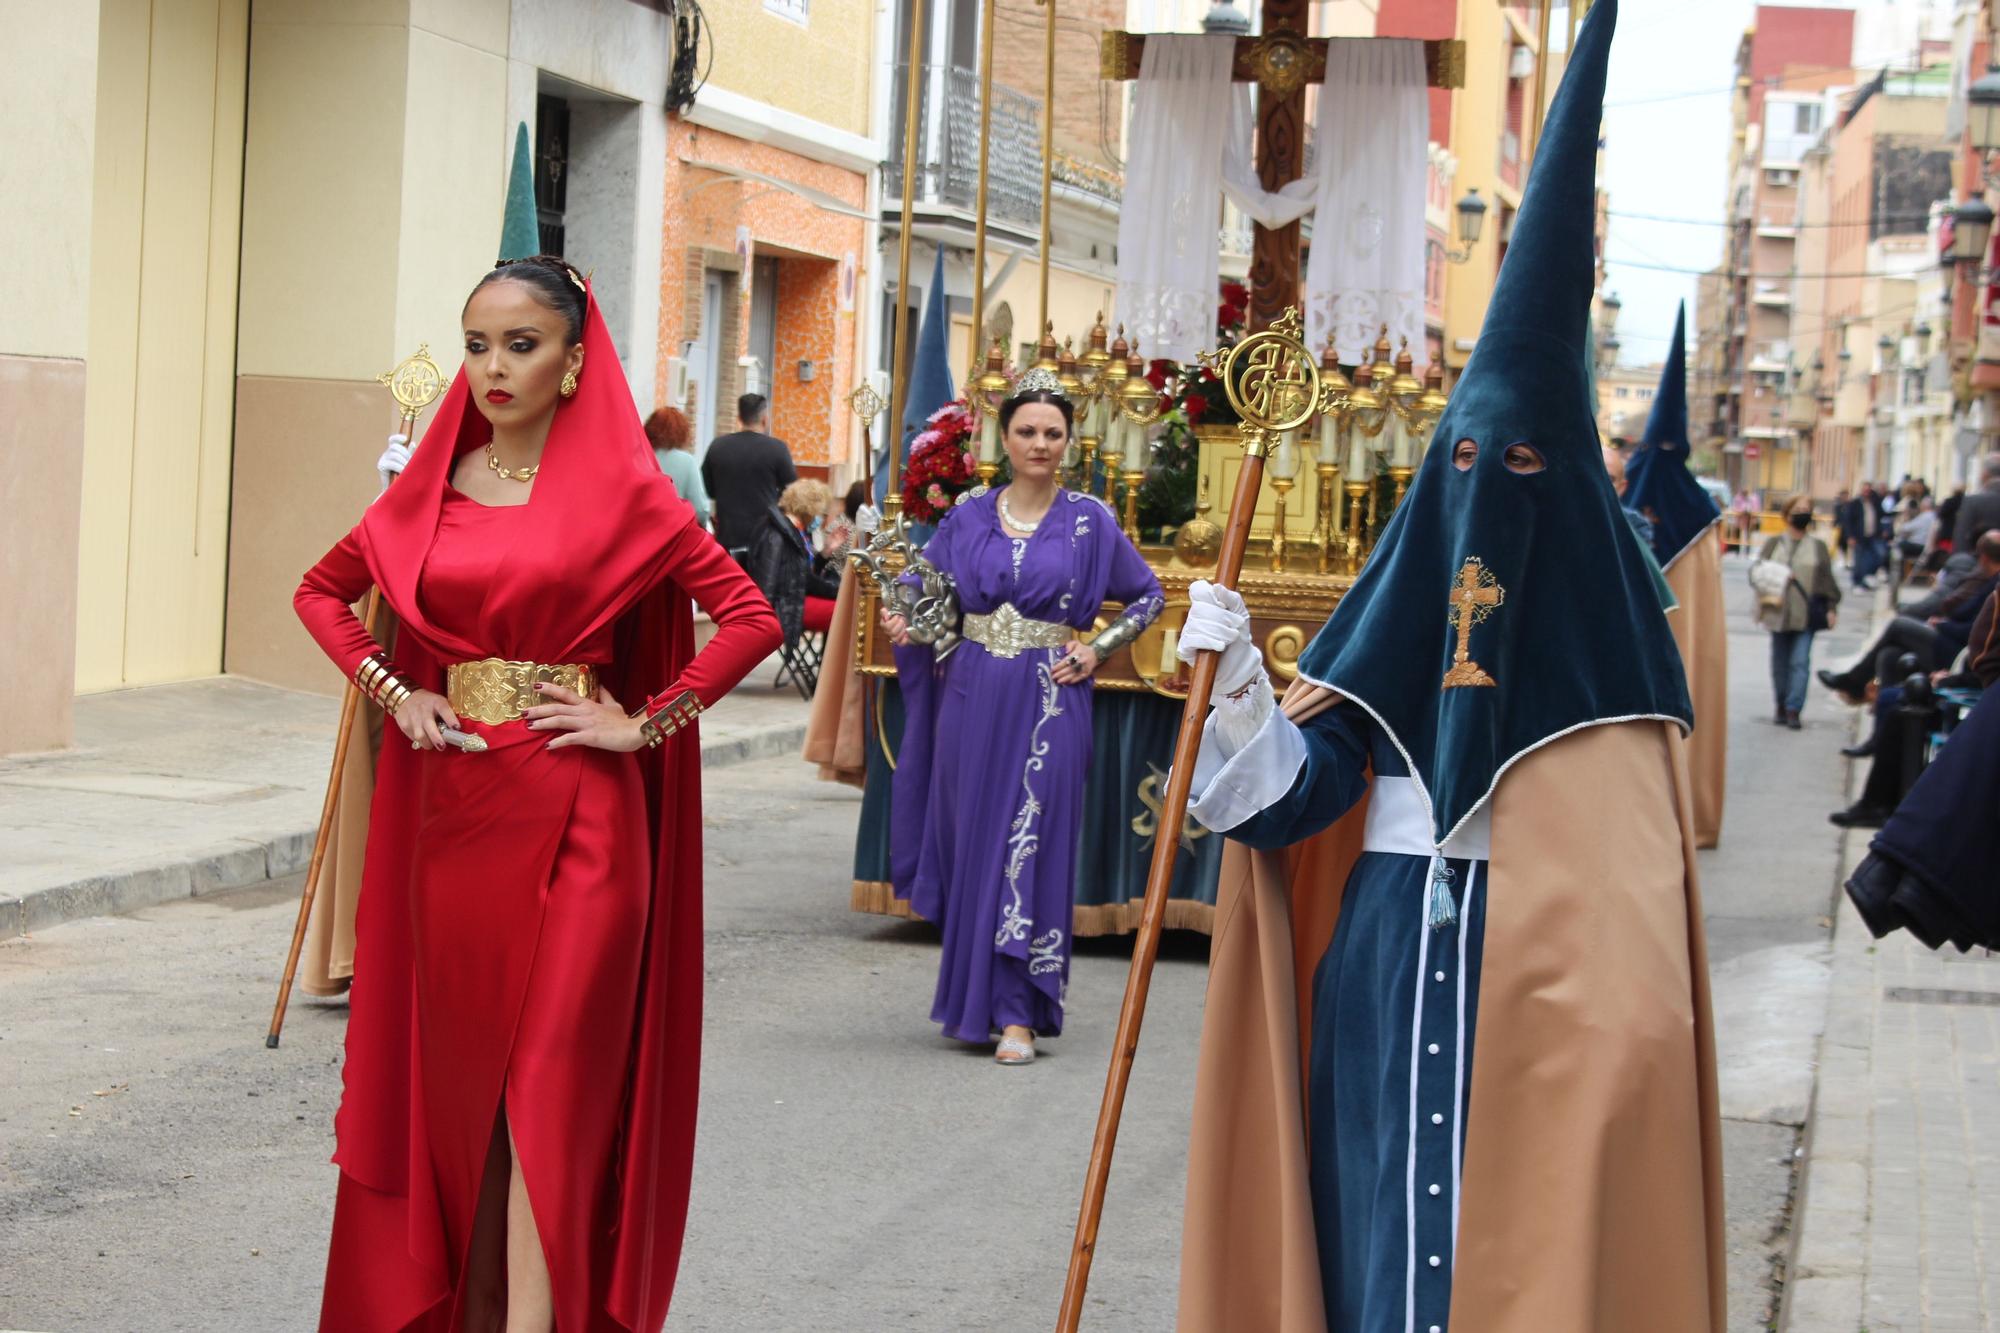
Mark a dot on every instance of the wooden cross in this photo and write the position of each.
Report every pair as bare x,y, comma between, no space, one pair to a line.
1281,62
1473,597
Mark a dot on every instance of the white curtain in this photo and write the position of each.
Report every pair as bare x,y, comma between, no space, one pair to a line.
1371,144
1167,248
1366,189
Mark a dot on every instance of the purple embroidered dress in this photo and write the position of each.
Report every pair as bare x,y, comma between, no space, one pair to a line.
989,780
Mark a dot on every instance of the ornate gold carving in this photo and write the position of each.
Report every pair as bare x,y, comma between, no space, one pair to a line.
1282,647
494,690
1283,64
415,383
1005,632
1475,595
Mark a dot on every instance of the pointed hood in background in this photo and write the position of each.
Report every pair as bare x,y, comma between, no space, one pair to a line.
931,385
520,227
1568,629
1658,482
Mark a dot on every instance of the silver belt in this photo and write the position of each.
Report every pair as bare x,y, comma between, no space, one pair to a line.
1005,632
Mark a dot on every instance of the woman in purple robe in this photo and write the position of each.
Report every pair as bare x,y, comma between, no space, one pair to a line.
989,783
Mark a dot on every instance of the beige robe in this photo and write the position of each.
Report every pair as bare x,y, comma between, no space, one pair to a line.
1702,634
1592,1181
836,737
326,964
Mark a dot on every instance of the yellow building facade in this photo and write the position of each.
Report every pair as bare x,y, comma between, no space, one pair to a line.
231,218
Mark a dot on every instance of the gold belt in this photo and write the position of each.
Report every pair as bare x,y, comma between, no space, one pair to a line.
494,690
1005,632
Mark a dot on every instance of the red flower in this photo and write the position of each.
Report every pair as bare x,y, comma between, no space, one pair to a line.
1156,374
1194,405
1235,293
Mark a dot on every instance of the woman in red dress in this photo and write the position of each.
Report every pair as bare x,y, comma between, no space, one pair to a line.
517,1128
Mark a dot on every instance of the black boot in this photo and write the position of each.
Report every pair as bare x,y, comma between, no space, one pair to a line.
1861,814
1844,686
1792,722
1865,750
1779,716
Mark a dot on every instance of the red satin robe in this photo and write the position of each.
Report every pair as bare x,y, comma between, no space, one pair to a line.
529,931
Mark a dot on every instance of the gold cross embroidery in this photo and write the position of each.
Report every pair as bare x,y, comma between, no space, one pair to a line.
1475,596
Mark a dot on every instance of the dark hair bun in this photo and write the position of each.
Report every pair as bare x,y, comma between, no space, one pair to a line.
555,283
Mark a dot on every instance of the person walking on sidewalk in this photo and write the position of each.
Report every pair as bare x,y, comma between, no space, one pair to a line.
533,870
1809,604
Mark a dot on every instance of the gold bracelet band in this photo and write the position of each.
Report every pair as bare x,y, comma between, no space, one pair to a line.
380,681
669,718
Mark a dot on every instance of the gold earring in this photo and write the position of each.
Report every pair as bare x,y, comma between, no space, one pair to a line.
568,386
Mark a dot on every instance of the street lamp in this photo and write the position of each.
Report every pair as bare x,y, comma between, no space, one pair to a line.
1471,221
1972,227
1982,120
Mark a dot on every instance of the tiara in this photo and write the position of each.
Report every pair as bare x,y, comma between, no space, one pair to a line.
1040,379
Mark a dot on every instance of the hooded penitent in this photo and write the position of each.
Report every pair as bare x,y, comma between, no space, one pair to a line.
1658,482
1499,1116
1684,517
1500,610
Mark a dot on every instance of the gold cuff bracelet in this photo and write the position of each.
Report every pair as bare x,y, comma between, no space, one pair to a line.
670,718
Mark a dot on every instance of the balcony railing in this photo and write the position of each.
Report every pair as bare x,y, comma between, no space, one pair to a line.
948,147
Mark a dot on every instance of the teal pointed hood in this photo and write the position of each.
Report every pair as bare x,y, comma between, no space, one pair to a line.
1502,610
520,223
1657,481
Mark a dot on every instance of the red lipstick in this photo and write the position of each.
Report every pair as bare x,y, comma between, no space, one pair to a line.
499,396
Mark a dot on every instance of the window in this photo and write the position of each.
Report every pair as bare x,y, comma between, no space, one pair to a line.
1805,118
794,10
551,170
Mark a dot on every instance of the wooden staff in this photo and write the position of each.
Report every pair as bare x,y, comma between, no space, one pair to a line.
415,383
1274,385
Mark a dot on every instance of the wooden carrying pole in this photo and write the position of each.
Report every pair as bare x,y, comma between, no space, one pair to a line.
416,383
1278,390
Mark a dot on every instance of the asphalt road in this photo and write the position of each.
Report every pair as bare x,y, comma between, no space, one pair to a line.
161,1170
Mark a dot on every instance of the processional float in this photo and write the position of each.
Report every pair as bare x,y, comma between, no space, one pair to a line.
415,383
1335,478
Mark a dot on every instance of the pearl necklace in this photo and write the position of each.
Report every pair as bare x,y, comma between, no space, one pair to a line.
1007,516
520,474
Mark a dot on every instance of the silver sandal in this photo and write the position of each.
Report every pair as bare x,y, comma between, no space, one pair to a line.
1014,1051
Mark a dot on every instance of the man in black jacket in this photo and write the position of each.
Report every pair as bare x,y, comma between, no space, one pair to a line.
745,471
1980,511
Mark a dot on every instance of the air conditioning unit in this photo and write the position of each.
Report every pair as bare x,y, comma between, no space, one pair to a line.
753,373
677,381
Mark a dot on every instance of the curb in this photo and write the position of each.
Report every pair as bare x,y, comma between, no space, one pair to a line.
241,862
1822,1278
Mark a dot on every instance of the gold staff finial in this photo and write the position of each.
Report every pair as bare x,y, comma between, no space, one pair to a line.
415,383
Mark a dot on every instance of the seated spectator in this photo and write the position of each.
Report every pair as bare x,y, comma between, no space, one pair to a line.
836,534
1930,869
1889,746
1935,640
1916,529
781,561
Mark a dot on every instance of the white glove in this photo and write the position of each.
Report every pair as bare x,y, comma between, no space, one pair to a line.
866,520
1218,619
393,460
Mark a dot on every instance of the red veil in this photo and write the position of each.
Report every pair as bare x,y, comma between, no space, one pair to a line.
601,502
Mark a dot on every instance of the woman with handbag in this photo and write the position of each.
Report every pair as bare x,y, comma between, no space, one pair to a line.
1797,608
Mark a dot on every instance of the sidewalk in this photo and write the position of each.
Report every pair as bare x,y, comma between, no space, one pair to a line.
1898,1225
179,790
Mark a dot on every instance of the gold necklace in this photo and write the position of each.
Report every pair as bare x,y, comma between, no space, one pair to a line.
520,474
